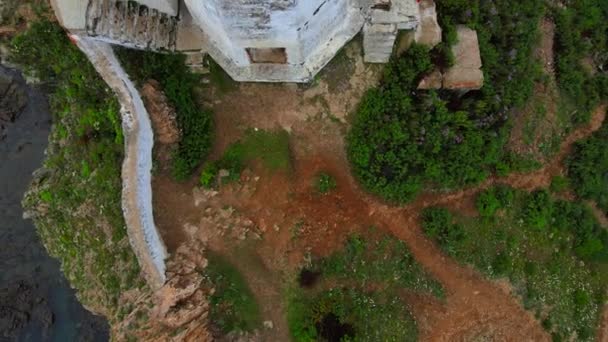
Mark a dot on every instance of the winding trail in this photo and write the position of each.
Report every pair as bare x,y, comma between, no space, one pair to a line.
471,299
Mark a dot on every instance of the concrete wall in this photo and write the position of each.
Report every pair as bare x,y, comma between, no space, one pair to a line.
137,164
311,32
71,13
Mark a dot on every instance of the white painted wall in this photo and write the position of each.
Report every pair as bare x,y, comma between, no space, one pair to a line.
71,13
137,164
298,26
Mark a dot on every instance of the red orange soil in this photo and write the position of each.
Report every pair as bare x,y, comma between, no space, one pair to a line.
293,220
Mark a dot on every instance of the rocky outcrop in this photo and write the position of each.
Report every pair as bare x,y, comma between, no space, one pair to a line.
161,113
12,98
178,311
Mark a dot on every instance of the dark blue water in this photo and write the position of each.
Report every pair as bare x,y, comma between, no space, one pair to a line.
36,301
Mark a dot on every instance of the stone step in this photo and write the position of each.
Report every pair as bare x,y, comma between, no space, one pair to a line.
130,23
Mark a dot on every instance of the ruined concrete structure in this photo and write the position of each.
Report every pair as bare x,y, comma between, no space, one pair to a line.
253,40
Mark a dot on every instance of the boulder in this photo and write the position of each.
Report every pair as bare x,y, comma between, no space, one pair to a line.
428,31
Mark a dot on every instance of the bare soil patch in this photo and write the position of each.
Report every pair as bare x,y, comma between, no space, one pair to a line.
292,221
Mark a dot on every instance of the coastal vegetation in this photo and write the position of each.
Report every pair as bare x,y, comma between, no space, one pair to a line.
76,196
355,293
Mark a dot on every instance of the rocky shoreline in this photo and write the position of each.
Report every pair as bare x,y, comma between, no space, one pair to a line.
36,301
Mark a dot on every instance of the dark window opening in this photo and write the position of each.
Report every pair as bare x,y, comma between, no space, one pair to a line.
384,5
267,55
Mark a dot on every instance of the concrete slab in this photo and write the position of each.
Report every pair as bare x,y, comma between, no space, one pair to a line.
428,32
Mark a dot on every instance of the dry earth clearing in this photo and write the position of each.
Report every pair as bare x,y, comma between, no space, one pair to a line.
280,219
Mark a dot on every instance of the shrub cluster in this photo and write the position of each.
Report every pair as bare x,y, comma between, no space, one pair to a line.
588,168
358,313
178,83
403,138
582,32
553,251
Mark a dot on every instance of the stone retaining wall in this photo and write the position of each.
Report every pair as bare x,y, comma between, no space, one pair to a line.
137,165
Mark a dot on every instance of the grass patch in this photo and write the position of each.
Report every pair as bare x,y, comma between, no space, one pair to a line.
324,183
384,261
271,148
233,306
77,196
553,252
178,83
349,315
349,305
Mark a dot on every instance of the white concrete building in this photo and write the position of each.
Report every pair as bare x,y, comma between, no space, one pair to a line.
253,40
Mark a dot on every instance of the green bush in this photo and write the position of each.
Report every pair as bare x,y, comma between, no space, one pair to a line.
233,306
559,184
437,224
538,209
370,316
487,204
581,31
178,83
553,252
403,139
209,175
325,183
588,166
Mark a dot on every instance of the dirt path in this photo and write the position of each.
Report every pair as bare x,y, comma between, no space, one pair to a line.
294,221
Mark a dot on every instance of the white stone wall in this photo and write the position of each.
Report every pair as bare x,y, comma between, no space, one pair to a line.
310,31
71,13
137,164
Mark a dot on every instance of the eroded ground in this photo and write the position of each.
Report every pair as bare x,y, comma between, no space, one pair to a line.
269,224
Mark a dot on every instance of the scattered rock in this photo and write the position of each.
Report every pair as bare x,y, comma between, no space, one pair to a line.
268,324
432,81
223,173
